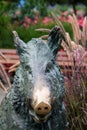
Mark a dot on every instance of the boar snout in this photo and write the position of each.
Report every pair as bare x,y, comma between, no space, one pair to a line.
42,108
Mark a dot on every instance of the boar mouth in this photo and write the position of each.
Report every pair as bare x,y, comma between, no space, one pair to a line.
39,118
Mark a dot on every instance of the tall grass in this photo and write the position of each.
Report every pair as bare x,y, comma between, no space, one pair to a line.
76,74
5,84
76,98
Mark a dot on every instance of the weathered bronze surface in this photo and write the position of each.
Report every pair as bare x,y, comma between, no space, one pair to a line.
35,101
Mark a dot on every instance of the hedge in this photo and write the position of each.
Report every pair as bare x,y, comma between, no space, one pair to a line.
6,36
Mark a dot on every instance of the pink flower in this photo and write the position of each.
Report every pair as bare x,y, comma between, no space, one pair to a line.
35,21
80,21
47,20
27,20
24,24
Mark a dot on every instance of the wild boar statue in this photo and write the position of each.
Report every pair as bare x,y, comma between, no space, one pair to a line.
35,101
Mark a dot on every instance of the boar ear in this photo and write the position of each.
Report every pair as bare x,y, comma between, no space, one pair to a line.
55,39
20,45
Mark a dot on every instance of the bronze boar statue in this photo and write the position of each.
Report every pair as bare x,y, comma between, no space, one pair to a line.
35,101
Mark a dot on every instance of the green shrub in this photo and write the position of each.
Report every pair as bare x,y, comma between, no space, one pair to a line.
6,37
5,32
68,28
31,7
28,34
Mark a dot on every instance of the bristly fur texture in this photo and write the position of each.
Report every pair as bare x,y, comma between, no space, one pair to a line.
37,63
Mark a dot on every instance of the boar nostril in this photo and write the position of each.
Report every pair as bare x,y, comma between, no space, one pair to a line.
39,109
42,108
45,108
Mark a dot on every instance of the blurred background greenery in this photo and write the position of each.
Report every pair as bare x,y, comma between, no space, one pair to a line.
27,15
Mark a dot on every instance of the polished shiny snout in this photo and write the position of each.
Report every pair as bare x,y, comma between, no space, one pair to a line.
42,108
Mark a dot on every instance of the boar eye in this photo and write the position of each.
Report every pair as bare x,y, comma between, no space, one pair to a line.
27,67
48,67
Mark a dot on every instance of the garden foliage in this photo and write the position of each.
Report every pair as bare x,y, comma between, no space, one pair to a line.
76,74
